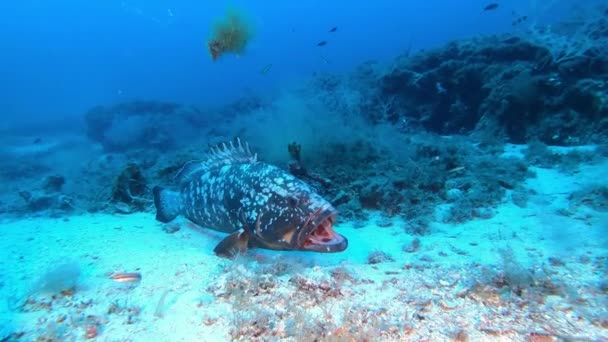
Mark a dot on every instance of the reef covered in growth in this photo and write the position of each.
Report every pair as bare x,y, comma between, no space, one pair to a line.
539,84
430,128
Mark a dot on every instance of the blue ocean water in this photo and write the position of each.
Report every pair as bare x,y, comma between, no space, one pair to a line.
461,148
70,55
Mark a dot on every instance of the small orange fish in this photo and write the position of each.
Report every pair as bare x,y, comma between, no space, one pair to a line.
126,277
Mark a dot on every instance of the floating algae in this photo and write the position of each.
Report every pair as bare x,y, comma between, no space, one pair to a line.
231,34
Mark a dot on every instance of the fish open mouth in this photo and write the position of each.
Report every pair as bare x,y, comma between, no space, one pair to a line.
321,236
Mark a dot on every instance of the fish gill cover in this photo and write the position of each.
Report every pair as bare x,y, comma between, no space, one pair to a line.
469,175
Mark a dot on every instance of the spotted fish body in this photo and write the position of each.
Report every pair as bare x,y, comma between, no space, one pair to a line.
260,205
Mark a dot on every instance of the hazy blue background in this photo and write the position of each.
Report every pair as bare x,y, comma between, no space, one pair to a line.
59,58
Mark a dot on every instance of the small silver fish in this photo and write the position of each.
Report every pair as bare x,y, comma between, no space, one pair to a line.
266,69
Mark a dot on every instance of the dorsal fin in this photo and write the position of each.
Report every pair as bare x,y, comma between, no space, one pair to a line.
238,153
221,154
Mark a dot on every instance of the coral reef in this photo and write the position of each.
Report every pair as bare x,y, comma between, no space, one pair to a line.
294,150
539,154
143,124
527,87
47,199
130,188
429,171
536,85
55,203
54,183
595,196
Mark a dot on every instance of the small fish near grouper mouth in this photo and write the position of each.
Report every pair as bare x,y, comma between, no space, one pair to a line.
259,205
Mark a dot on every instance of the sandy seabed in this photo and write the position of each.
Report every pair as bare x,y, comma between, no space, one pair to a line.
536,273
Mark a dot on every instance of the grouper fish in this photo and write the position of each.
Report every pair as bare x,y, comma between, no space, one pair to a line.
258,204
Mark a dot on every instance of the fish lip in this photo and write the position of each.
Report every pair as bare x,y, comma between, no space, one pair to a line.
324,220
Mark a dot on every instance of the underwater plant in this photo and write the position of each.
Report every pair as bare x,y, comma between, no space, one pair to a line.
231,34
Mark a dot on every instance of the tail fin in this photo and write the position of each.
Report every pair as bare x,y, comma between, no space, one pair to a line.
168,204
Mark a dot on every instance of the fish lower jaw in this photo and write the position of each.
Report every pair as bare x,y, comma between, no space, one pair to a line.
324,239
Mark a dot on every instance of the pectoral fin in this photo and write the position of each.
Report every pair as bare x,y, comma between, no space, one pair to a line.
232,245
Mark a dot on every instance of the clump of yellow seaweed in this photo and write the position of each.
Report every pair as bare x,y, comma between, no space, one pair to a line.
231,34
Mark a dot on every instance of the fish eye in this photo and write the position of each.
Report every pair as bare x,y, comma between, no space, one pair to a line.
292,201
